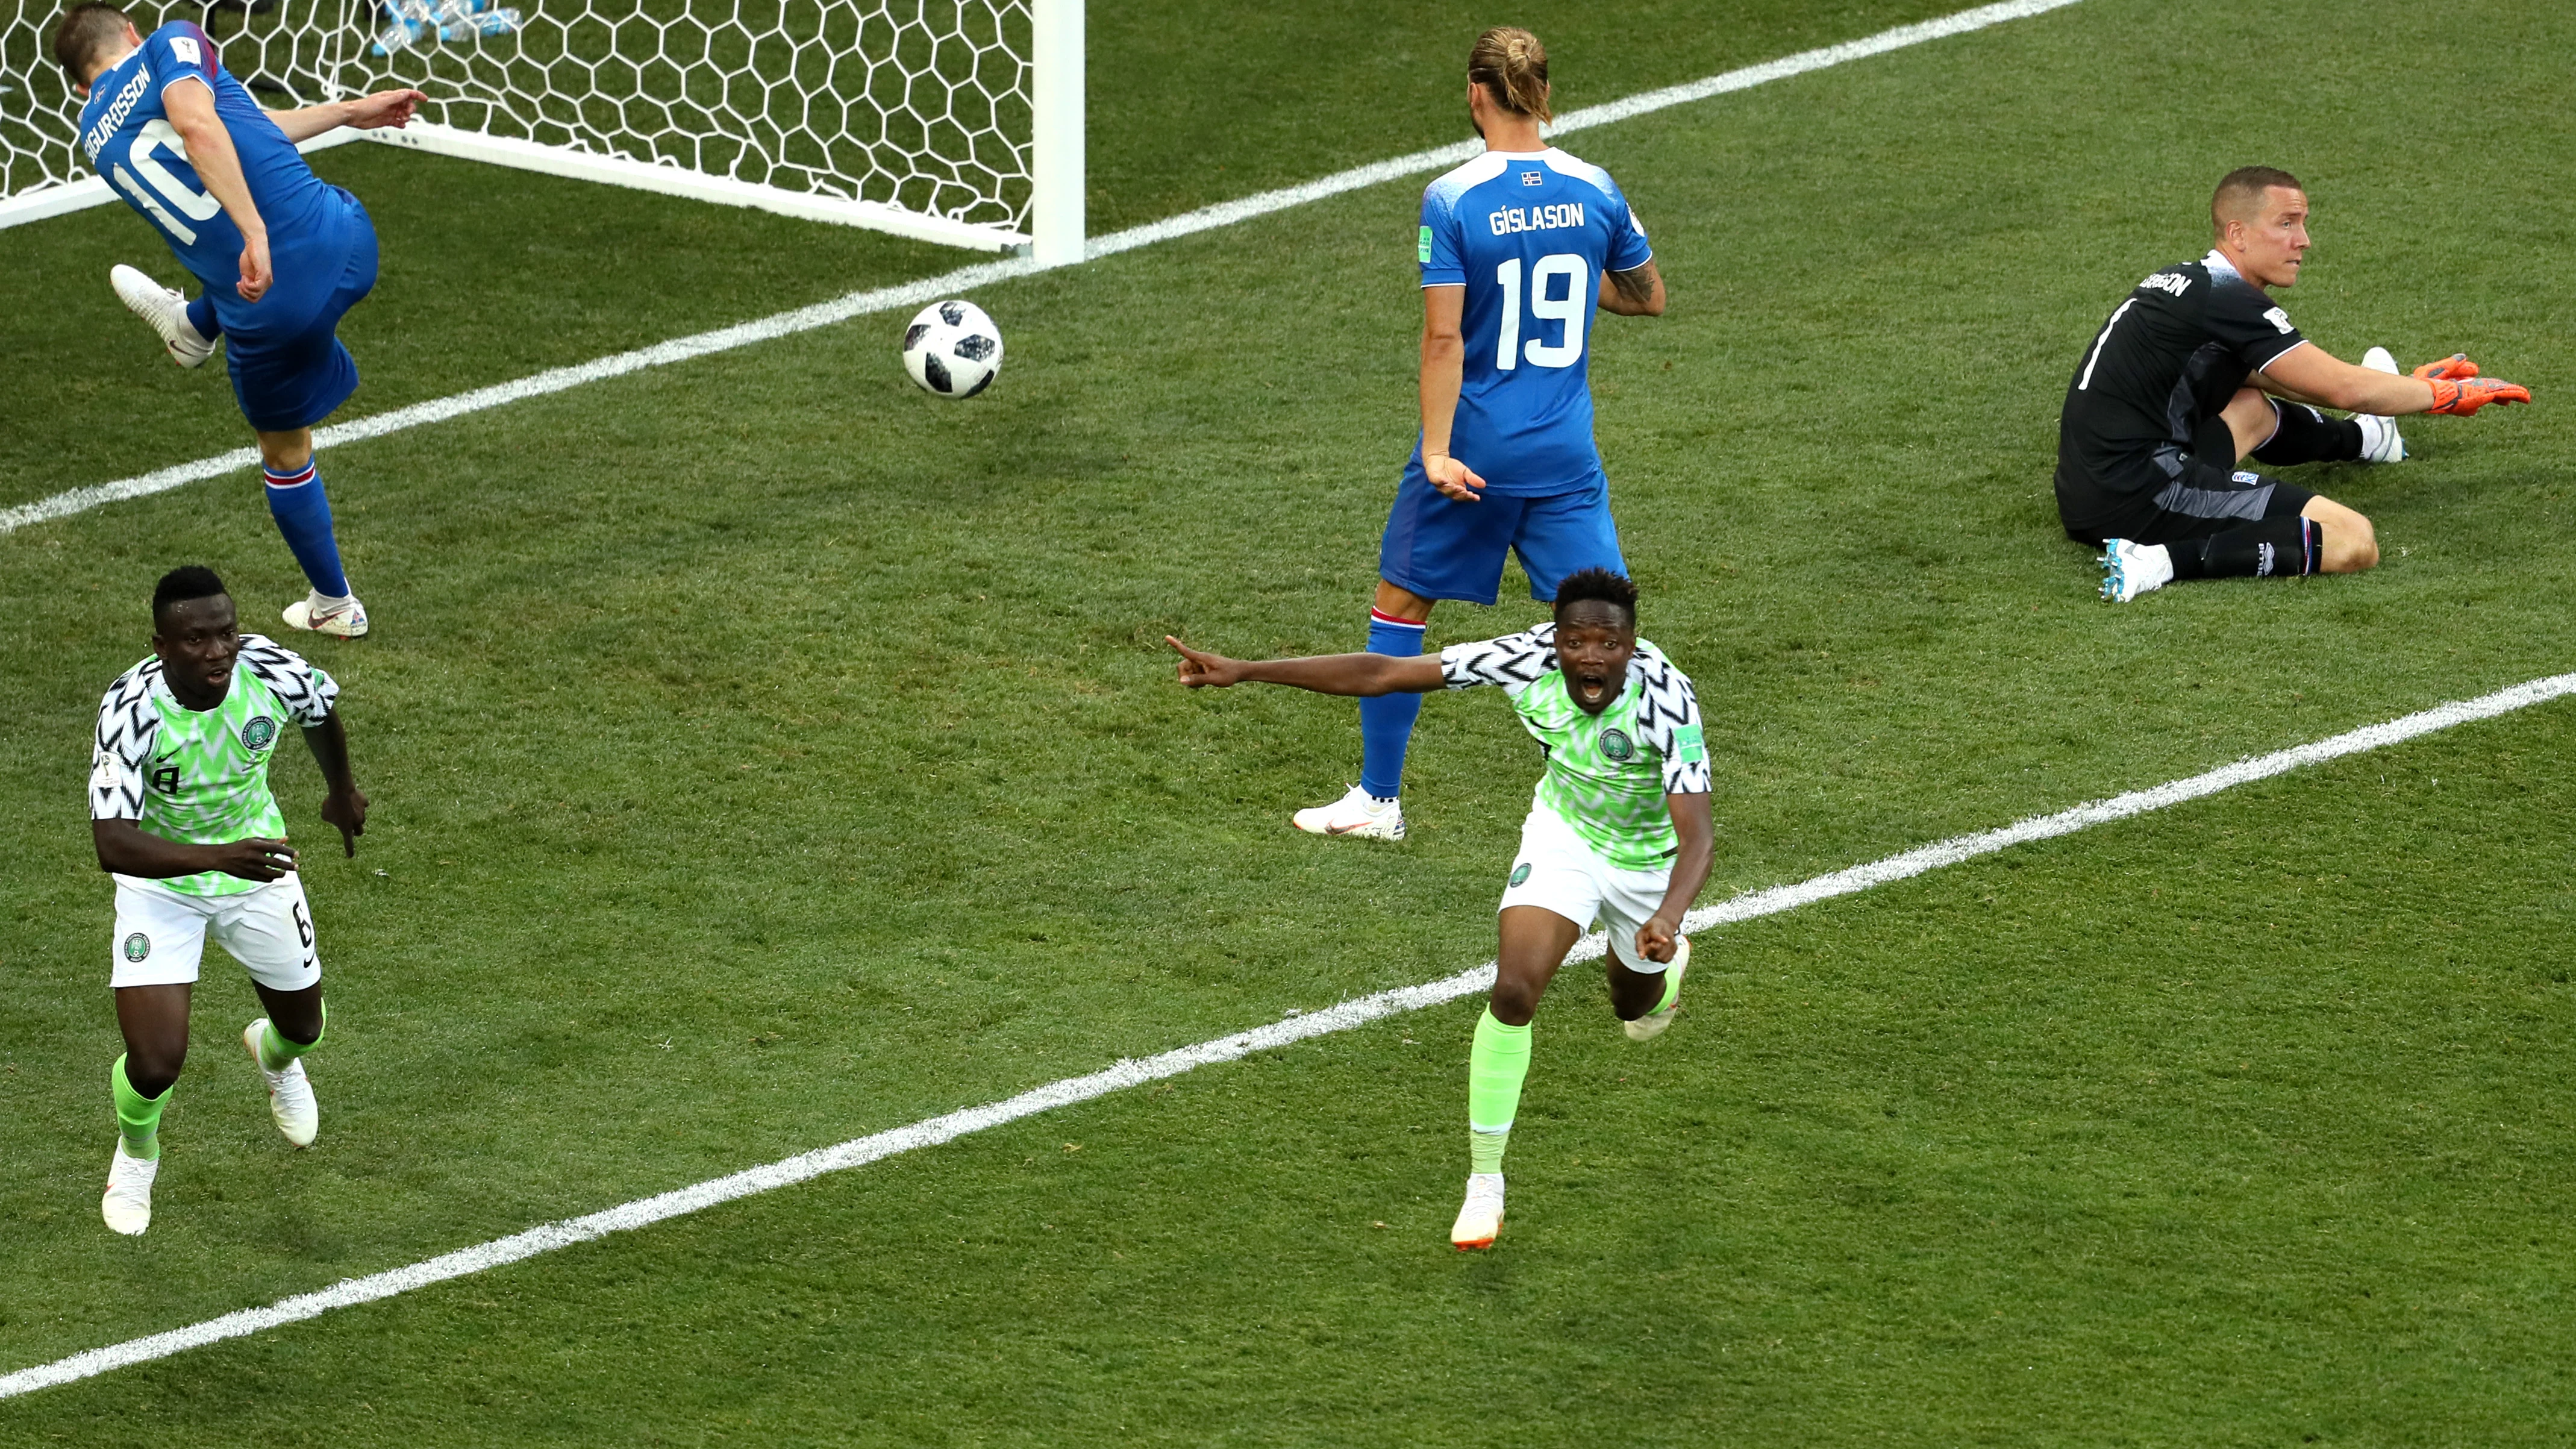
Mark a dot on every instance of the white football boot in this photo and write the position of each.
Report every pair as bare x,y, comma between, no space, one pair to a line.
290,1095
1482,1215
128,1204
2130,569
339,618
2379,440
166,309
1652,1024
1357,813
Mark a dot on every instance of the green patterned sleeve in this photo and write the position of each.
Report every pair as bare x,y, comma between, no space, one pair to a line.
1668,716
307,693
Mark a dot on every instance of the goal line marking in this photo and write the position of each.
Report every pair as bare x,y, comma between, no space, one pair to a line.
545,1238
964,279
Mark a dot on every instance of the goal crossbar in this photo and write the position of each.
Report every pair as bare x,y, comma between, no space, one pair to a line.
1038,210
562,161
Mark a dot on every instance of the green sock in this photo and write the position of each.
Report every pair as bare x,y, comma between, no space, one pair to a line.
1496,1067
138,1117
276,1051
1672,990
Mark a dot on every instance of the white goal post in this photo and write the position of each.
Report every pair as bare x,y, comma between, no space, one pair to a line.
951,121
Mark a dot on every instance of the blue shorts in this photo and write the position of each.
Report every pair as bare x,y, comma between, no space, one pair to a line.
288,366
1440,548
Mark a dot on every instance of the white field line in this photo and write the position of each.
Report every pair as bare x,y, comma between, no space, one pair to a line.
858,1152
949,284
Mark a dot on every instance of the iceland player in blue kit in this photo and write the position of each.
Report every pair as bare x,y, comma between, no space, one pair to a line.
280,252
1517,248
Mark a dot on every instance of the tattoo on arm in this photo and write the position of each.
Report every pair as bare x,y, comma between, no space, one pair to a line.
1636,284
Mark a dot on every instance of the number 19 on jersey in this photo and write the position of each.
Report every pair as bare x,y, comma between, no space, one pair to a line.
1569,310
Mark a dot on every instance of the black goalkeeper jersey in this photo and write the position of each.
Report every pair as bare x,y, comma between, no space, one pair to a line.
2171,356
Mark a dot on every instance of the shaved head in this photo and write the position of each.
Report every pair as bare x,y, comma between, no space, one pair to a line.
2240,196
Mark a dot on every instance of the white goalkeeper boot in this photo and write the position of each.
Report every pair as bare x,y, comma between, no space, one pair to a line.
1357,813
2130,569
165,310
2380,442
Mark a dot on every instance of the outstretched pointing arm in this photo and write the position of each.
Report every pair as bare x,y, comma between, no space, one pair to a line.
1354,674
365,113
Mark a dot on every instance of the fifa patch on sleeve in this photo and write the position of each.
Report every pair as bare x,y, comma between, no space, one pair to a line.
102,771
1423,249
1689,746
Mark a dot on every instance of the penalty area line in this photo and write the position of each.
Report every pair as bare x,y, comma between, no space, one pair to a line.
965,279
545,1238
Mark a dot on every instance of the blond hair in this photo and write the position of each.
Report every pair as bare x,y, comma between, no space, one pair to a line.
1512,67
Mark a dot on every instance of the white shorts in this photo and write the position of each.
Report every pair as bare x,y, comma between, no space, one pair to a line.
1558,870
161,933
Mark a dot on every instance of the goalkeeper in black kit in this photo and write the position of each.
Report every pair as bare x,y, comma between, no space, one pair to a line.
2200,371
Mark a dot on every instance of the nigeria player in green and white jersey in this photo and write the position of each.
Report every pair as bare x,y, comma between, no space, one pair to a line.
182,816
1620,830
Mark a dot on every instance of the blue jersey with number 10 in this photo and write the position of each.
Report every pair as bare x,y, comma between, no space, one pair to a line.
128,137
1529,234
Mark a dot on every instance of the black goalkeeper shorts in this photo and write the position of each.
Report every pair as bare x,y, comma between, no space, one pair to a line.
2170,495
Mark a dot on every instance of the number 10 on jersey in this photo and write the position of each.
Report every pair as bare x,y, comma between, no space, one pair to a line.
1569,309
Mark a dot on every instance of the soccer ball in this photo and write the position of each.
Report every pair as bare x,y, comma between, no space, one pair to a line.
952,349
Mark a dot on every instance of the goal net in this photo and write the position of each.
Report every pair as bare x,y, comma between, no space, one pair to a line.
922,117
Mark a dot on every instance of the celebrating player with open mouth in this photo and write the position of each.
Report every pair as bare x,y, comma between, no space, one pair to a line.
2196,372
281,253
182,815
1517,247
1620,830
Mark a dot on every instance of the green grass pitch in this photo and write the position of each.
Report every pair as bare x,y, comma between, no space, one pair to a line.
764,754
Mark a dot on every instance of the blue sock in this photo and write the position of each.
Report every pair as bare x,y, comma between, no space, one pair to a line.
295,500
201,315
1386,722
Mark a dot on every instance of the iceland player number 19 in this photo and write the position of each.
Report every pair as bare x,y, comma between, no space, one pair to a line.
1568,309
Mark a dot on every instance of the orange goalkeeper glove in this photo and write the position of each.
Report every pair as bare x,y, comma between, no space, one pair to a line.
2459,399
2454,368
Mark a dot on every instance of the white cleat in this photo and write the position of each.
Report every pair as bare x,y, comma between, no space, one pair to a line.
290,1095
339,618
2380,442
1482,1216
128,1204
1357,813
166,310
2130,569
1652,1024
